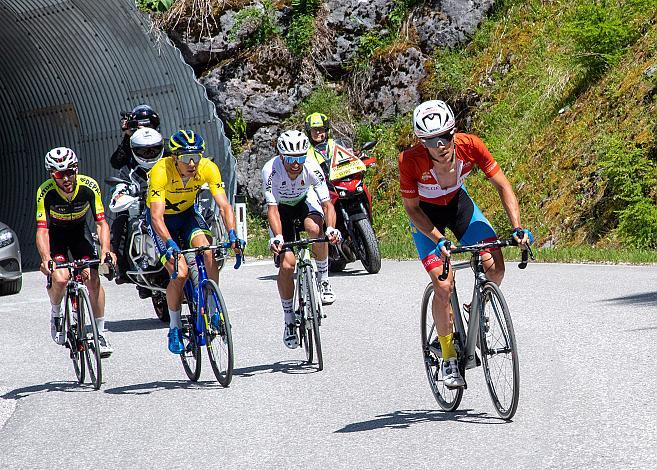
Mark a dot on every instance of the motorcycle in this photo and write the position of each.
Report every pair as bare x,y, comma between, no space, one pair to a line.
144,266
353,206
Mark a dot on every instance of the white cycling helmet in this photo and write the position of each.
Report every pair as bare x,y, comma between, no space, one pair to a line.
147,147
432,118
60,159
292,143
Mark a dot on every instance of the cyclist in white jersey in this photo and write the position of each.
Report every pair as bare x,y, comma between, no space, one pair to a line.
295,189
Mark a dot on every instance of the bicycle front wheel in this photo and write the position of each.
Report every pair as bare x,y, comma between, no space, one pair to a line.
90,338
305,327
314,312
74,337
499,351
448,399
219,337
191,356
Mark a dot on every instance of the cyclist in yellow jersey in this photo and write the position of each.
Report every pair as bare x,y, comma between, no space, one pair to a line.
63,202
173,219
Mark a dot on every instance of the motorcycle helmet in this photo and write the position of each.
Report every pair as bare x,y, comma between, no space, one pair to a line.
186,141
143,116
432,118
60,159
147,146
317,120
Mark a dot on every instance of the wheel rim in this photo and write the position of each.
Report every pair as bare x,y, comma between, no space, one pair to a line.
90,340
499,355
220,341
191,356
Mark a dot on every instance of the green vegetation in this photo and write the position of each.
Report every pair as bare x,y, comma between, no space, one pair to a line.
302,26
237,130
260,22
148,6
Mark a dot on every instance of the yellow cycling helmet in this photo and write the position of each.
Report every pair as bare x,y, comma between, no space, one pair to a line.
317,120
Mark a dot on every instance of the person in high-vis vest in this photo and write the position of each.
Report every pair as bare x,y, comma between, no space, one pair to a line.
318,130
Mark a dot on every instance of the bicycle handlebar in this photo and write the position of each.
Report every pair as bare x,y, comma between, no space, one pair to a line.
304,242
239,257
526,254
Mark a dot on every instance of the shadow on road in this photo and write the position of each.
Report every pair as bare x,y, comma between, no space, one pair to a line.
647,298
405,418
349,273
23,392
269,277
150,387
286,367
138,324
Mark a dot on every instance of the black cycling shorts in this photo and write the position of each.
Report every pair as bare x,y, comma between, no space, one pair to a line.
75,240
291,215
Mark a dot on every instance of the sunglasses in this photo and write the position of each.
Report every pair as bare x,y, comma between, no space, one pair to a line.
442,139
63,174
291,160
187,158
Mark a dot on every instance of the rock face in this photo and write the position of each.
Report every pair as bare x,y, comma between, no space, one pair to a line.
267,83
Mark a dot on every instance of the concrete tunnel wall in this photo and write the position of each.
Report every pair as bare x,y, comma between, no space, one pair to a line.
67,68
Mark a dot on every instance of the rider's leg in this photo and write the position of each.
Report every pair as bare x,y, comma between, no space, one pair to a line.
314,225
175,291
441,309
211,266
285,283
57,289
494,266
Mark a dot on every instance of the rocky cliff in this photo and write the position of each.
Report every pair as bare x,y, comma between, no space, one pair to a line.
260,60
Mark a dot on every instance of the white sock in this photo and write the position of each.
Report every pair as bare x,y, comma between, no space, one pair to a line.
175,321
288,310
55,310
322,269
100,324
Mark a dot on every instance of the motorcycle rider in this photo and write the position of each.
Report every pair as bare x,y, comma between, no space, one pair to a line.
318,130
146,147
123,159
295,189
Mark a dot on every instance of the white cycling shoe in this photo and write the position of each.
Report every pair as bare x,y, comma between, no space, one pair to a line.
326,293
57,330
104,346
290,336
451,374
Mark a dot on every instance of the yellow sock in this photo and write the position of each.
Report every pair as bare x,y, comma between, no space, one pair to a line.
447,346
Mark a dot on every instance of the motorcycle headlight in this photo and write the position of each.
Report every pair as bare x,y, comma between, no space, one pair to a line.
6,237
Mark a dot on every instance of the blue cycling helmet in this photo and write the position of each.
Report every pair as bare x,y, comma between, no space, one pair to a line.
186,141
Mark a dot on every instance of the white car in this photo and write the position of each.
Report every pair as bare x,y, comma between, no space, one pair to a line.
11,276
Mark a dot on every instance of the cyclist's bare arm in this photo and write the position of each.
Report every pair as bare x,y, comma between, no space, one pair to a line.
226,210
274,219
329,213
43,246
103,231
420,219
157,220
507,196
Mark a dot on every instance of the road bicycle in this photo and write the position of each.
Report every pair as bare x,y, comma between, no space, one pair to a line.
486,328
79,321
207,323
307,300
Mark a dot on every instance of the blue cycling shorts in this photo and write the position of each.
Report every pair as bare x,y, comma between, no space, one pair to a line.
462,216
182,227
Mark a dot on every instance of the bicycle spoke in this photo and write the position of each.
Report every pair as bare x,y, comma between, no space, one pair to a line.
219,336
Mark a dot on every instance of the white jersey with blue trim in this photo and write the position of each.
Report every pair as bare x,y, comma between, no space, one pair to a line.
281,189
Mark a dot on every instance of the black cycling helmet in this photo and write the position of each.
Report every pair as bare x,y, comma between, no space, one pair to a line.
143,116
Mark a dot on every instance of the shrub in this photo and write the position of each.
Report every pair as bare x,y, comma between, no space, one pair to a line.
300,33
154,5
261,18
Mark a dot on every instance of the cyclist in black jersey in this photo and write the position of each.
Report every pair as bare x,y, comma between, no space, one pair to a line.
63,202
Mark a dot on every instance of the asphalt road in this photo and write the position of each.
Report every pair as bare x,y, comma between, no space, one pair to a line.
587,339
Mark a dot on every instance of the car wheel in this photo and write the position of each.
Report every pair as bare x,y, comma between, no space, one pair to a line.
11,287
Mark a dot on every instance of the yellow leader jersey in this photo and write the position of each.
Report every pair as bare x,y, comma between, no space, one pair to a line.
166,185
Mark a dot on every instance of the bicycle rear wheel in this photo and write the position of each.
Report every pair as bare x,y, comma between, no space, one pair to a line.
219,338
74,338
90,338
305,328
314,312
448,399
191,356
499,351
